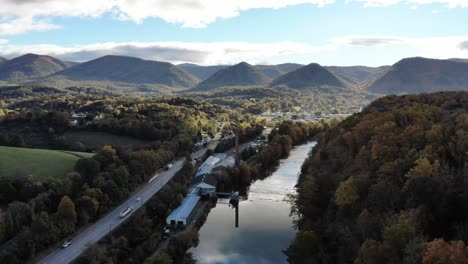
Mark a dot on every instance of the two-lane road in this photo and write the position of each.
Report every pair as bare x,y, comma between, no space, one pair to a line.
105,225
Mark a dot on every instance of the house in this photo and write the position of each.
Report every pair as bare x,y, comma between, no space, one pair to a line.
181,216
206,189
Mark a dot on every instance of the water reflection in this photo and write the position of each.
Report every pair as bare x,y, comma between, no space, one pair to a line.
265,228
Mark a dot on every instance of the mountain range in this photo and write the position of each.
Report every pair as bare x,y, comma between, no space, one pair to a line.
129,74
128,70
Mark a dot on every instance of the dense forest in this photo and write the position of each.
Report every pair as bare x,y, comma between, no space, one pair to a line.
388,185
257,100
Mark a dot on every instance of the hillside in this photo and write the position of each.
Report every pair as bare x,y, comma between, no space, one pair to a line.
128,70
2,59
242,74
40,163
201,72
357,74
30,66
275,71
421,75
387,185
312,75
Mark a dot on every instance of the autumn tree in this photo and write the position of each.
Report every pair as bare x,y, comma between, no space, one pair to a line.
439,251
66,209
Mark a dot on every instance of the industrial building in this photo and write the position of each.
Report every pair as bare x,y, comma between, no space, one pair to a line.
204,184
181,215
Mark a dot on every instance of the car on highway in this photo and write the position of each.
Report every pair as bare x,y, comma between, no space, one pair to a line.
66,243
169,166
138,199
125,212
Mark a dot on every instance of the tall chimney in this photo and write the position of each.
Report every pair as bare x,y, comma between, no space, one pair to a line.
237,148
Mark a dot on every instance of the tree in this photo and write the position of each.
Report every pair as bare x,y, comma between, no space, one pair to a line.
371,252
347,192
304,248
438,251
161,258
88,168
66,209
424,168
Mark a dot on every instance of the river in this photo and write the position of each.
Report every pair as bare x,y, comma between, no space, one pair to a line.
265,227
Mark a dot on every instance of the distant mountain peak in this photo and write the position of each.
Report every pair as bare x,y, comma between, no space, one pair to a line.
311,75
241,74
30,66
125,69
418,75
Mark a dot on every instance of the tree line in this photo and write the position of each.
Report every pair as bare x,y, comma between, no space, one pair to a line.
388,185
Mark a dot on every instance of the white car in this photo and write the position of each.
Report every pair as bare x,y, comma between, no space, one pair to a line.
138,199
125,212
67,243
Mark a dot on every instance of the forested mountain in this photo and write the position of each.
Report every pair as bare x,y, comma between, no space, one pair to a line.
421,75
204,72
201,72
388,185
312,75
242,74
275,71
459,60
30,66
358,74
124,69
2,59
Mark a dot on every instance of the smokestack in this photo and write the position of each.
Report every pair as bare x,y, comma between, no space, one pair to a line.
237,148
237,216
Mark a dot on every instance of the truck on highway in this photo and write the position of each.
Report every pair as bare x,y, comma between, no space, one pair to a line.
125,212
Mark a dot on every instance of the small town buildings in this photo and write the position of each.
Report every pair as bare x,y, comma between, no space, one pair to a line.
181,216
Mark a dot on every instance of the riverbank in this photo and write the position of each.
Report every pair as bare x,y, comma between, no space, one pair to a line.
265,226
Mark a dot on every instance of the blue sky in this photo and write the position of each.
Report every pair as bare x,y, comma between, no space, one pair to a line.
340,32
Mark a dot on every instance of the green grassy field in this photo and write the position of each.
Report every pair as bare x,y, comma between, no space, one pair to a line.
40,163
98,139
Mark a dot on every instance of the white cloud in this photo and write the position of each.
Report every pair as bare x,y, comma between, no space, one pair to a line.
25,24
175,52
188,13
368,40
212,53
413,3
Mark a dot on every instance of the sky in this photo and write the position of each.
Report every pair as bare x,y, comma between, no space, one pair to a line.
209,32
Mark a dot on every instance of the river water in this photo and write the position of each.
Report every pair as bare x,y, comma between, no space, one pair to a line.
265,227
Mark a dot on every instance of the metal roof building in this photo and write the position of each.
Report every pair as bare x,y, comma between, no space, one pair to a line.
181,215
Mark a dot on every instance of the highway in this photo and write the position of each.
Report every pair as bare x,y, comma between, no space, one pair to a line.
105,225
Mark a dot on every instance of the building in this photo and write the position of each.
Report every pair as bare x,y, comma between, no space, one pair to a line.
206,189
181,216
